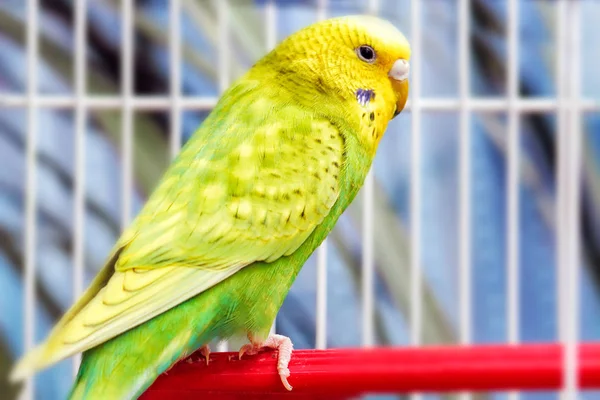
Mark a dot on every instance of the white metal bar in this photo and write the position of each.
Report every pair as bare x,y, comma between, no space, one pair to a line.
416,273
141,103
464,251
322,9
321,311
224,73
161,103
571,265
80,155
562,171
224,50
31,184
465,178
562,176
127,111
513,186
415,198
368,256
175,78
271,24
271,41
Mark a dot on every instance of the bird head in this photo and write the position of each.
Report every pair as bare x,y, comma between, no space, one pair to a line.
360,62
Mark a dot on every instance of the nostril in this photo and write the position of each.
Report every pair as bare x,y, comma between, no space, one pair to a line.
400,70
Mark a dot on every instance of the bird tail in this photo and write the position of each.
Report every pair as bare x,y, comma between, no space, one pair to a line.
27,365
125,366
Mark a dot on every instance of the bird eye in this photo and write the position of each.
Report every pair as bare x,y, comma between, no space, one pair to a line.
366,53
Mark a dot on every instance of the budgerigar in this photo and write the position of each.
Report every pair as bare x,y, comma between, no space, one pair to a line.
252,194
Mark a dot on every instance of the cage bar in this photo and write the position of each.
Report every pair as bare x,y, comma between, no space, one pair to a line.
31,184
224,40
271,41
572,188
464,246
127,111
416,273
465,176
368,246
224,72
321,295
415,179
562,172
271,25
175,78
513,185
80,155
561,149
569,136
204,103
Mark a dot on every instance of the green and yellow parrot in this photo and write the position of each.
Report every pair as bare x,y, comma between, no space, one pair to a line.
252,194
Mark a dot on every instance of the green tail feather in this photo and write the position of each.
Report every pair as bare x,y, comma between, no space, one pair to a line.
124,367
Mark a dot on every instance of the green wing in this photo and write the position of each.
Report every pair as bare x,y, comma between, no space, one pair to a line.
251,185
256,198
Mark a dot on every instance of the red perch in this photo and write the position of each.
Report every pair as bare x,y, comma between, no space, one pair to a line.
342,373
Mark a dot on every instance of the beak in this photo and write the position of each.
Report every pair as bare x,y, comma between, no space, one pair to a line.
399,79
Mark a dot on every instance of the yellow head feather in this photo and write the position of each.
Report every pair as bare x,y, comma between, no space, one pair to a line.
326,59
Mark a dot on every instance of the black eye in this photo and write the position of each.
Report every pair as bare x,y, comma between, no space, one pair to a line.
366,53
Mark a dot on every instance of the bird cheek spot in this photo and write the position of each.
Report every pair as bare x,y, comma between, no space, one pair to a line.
364,96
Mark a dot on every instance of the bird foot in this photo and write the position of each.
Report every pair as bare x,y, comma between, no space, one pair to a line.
284,347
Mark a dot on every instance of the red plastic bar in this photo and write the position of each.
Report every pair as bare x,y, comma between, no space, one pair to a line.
331,374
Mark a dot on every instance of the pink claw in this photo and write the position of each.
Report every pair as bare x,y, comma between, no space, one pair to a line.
284,346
